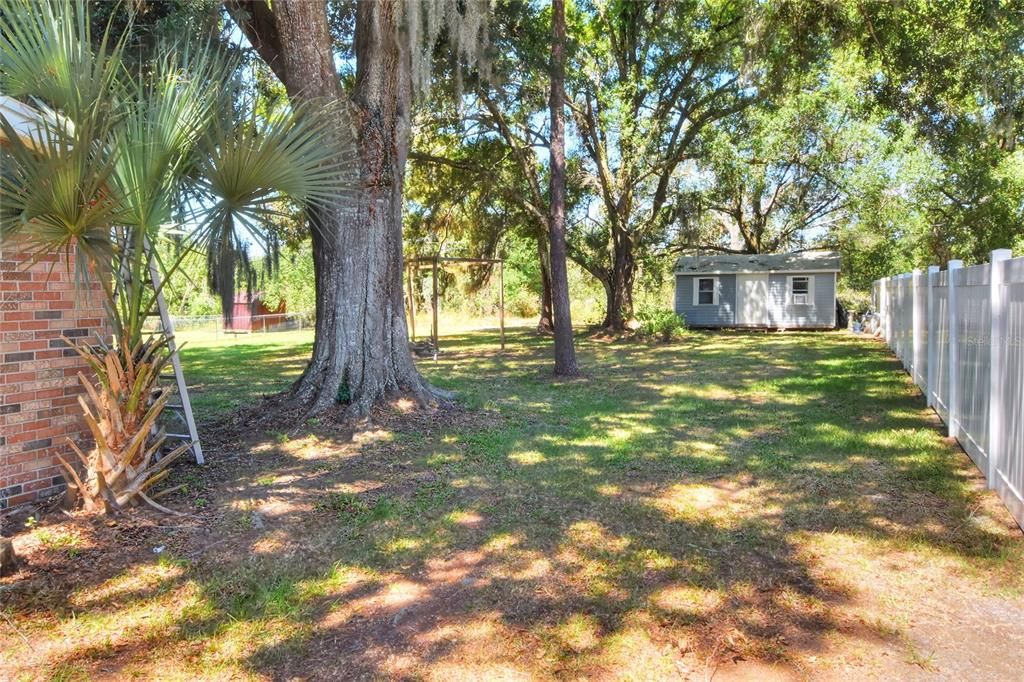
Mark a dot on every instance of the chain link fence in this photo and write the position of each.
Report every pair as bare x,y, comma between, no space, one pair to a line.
216,326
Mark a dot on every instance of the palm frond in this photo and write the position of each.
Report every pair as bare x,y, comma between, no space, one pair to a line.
47,53
101,177
167,113
54,189
168,108
289,154
54,184
247,170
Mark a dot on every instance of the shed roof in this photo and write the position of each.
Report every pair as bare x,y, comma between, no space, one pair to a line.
30,124
802,261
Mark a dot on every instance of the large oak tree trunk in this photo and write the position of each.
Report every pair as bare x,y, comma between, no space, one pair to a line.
619,289
361,347
565,351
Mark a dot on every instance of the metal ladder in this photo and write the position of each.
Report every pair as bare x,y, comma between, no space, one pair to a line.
184,407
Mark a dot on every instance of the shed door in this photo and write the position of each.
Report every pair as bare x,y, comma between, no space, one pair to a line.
752,300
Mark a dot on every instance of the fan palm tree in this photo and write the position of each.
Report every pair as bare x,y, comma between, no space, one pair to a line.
111,161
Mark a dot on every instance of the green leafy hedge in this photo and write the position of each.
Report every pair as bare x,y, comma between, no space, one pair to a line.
662,324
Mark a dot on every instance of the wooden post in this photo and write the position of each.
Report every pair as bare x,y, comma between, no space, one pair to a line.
501,301
433,297
933,330
412,302
954,341
997,361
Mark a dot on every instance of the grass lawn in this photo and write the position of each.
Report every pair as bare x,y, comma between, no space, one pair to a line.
224,372
736,506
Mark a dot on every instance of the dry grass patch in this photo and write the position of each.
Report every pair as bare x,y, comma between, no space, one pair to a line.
737,506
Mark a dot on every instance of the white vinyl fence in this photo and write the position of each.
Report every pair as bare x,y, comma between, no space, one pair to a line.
960,335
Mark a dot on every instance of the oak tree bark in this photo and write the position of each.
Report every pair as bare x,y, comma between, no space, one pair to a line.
361,347
619,310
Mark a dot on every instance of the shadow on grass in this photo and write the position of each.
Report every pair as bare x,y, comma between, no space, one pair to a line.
659,509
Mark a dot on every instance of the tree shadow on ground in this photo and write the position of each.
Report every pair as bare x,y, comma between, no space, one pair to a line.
662,517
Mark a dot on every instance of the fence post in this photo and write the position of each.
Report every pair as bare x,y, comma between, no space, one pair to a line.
890,326
931,350
997,361
915,326
885,309
908,341
880,311
899,309
954,340
896,313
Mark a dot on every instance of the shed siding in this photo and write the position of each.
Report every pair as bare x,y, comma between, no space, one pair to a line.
820,314
721,315
781,315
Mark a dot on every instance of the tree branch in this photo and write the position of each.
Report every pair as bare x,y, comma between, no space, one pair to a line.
529,169
536,211
259,26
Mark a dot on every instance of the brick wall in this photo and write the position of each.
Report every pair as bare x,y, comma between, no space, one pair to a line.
38,373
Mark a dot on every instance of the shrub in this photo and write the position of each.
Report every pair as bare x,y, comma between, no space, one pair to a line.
122,412
854,301
522,304
662,324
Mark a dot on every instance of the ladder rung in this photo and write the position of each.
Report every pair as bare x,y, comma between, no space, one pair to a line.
192,436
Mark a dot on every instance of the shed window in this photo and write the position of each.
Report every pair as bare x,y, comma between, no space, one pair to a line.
800,290
706,291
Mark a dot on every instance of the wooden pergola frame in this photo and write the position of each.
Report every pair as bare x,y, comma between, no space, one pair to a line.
434,262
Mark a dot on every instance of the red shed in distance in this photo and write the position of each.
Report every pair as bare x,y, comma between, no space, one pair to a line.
251,314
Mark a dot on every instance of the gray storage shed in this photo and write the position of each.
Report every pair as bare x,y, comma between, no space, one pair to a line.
761,291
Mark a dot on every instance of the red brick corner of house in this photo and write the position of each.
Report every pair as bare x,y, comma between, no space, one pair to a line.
39,388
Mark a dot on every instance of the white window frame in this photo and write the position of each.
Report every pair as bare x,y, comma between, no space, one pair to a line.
716,287
791,297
